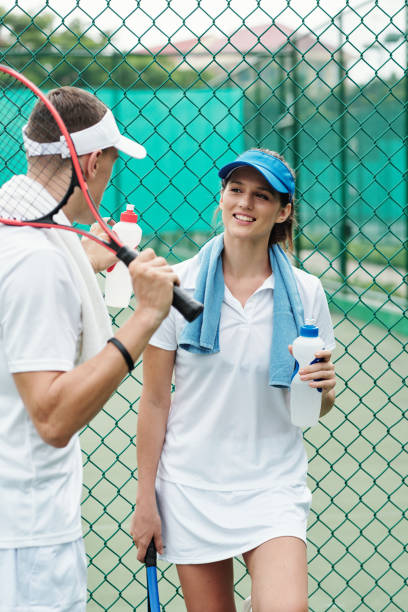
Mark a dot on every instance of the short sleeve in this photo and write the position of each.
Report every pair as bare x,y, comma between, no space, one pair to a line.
322,316
40,314
165,337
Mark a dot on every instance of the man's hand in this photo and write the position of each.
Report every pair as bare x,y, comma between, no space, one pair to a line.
100,258
153,281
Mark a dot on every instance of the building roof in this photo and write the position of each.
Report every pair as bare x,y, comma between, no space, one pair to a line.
262,38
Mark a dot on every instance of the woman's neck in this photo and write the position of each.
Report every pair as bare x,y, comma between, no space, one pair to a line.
245,267
244,259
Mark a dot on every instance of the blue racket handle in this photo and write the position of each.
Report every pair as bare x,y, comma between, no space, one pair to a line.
151,576
152,589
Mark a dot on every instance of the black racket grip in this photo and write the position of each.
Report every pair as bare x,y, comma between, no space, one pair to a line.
151,555
184,303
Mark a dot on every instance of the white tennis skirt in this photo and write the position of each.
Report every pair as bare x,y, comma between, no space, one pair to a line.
202,526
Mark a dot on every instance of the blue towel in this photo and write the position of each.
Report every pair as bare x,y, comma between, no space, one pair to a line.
202,335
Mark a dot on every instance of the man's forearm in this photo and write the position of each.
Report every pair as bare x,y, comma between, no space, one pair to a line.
61,404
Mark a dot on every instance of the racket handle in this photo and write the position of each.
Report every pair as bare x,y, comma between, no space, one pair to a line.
151,555
184,303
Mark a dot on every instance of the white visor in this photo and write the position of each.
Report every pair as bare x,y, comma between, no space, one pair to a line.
102,135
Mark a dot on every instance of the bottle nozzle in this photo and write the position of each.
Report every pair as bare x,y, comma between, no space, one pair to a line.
311,322
129,214
309,329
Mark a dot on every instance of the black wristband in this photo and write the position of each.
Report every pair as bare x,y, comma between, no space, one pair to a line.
125,353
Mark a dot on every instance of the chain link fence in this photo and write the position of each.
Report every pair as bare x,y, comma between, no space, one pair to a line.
324,83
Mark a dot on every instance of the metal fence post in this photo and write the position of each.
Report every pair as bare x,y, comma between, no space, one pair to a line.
343,155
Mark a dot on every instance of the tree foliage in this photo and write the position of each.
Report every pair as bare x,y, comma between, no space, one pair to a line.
52,53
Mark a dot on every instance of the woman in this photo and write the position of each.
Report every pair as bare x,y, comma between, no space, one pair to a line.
222,471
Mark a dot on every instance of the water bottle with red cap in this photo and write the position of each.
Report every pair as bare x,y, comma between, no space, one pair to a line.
118,286
305,401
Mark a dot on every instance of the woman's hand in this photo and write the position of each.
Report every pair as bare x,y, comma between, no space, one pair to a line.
100,258
321,375
144,526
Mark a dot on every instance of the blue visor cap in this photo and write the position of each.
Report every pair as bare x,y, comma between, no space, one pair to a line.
272,168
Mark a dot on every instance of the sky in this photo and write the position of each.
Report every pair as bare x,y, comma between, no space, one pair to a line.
153,22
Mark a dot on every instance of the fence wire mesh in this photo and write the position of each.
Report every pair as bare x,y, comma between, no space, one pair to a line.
324,83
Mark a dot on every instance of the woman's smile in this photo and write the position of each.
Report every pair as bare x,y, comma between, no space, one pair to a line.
245,219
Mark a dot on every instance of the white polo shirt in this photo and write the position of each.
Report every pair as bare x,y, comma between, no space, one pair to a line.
227,428
40,328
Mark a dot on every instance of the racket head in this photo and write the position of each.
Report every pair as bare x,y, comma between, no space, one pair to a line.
35,141
47,176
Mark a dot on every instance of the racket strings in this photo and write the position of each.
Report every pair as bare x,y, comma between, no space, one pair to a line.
31,195
31,186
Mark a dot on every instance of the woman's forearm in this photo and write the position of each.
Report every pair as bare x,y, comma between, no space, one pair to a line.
151,431
328,399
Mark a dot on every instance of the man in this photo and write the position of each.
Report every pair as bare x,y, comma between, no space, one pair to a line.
58,364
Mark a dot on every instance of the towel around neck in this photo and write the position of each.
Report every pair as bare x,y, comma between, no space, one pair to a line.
202,335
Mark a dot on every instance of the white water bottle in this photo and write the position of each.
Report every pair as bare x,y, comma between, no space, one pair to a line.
305,401
118,286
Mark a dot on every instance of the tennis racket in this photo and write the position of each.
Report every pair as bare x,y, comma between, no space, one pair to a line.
153,603
60,177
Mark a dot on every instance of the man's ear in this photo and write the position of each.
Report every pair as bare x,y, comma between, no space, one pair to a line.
90,163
